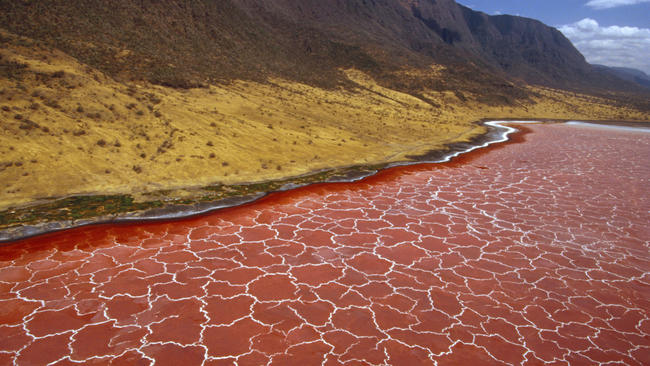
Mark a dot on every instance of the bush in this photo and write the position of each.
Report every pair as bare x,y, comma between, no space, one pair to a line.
52,104
12,70
28,125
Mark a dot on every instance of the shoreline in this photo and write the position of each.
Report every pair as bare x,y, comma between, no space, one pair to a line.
498,132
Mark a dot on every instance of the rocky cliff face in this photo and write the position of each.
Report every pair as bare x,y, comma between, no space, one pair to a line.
526,48
182,43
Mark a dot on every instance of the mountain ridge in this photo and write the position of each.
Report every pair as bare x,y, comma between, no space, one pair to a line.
186,44
627,73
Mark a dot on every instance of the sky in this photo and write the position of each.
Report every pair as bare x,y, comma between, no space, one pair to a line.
606,32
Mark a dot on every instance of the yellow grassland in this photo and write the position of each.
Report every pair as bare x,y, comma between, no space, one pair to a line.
82,132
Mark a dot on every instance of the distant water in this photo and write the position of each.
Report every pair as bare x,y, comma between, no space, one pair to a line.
641,128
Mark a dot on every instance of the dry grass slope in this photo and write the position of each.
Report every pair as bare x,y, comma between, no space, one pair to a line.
69,129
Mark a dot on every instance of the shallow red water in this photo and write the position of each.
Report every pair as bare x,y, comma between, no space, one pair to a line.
532,253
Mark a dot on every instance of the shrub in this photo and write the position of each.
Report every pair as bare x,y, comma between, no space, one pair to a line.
101,142
52,104
28,125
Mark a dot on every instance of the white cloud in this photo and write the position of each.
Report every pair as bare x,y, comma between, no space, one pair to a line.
611,46
607,4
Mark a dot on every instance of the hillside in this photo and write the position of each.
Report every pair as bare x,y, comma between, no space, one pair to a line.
626,73
164,97
187,44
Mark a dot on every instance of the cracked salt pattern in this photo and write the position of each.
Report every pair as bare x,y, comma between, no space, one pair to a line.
529,254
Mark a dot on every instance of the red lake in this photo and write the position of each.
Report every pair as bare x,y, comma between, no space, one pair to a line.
531,252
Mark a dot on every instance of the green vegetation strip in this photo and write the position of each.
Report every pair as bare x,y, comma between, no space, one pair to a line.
102,206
